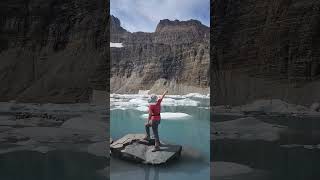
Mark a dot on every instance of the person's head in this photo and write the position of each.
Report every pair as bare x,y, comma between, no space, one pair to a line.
153,98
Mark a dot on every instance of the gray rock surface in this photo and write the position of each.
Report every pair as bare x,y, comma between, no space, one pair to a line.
265,50
133,148
221,170
52,51
248,128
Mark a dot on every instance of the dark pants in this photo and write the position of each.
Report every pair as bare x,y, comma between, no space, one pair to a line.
154,125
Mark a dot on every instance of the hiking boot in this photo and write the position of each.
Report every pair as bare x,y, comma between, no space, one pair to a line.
146,138
156,148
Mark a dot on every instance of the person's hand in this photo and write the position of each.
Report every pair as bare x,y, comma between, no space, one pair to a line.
164,94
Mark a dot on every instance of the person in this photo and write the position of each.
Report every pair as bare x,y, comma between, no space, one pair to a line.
154,119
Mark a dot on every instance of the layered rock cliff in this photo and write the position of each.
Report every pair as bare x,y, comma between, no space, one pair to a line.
265,49
175,56
52,50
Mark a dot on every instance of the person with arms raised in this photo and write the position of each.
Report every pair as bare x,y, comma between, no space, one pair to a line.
154,119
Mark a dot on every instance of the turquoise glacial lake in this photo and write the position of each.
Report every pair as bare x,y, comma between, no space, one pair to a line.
185,121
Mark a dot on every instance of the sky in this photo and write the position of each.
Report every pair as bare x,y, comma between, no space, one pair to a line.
144,15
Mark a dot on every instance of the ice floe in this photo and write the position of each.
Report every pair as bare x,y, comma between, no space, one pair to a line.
142,108
144,92
171,116
274,105
140,101
116,45
196,95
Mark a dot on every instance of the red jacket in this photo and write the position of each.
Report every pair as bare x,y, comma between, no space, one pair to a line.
154,110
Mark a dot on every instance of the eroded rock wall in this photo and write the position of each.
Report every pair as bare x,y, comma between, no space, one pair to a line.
175,57
265,49
52,50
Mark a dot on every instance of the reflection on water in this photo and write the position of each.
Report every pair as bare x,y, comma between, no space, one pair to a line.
193,133
184,168
295,156
62,165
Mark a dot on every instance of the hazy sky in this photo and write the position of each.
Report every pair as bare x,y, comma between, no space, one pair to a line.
144,15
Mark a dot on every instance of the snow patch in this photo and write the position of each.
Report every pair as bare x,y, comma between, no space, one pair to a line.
116,45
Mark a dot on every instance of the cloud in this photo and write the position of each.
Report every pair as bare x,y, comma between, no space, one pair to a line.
144,15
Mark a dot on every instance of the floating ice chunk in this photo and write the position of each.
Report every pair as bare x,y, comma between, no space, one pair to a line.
116,45
197,95
180,102
128,96
118,108
142,108
273,105
171,116
175,96
144,92
138,102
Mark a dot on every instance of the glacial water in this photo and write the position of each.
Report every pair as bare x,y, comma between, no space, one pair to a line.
40,156
185,121
295,156
62,165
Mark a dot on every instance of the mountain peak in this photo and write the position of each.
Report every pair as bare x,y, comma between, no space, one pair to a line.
115,25
169,25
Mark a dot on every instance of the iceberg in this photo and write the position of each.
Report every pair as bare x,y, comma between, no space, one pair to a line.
197,95
171,116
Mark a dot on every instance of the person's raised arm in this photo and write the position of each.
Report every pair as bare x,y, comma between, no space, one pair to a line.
164,94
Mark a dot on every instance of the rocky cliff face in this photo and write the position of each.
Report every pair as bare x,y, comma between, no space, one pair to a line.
265,49
175,56
52,50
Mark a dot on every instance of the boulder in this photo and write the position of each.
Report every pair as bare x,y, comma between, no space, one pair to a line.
315,107
132,147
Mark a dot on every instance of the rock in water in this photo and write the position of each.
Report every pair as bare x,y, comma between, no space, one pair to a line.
132,147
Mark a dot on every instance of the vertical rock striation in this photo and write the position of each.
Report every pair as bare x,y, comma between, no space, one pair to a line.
52,50
175,56
265,49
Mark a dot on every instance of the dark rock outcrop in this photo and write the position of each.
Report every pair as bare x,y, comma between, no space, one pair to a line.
175,56
265,49
133,148
52,51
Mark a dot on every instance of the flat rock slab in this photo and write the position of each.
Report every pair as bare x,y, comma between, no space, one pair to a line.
132,147
248,128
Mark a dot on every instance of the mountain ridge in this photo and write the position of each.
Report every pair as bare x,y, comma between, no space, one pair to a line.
177,59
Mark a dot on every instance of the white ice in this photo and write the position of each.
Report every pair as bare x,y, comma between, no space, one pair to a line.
140,101
197,95
273,105
171,116
116,45
180,102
